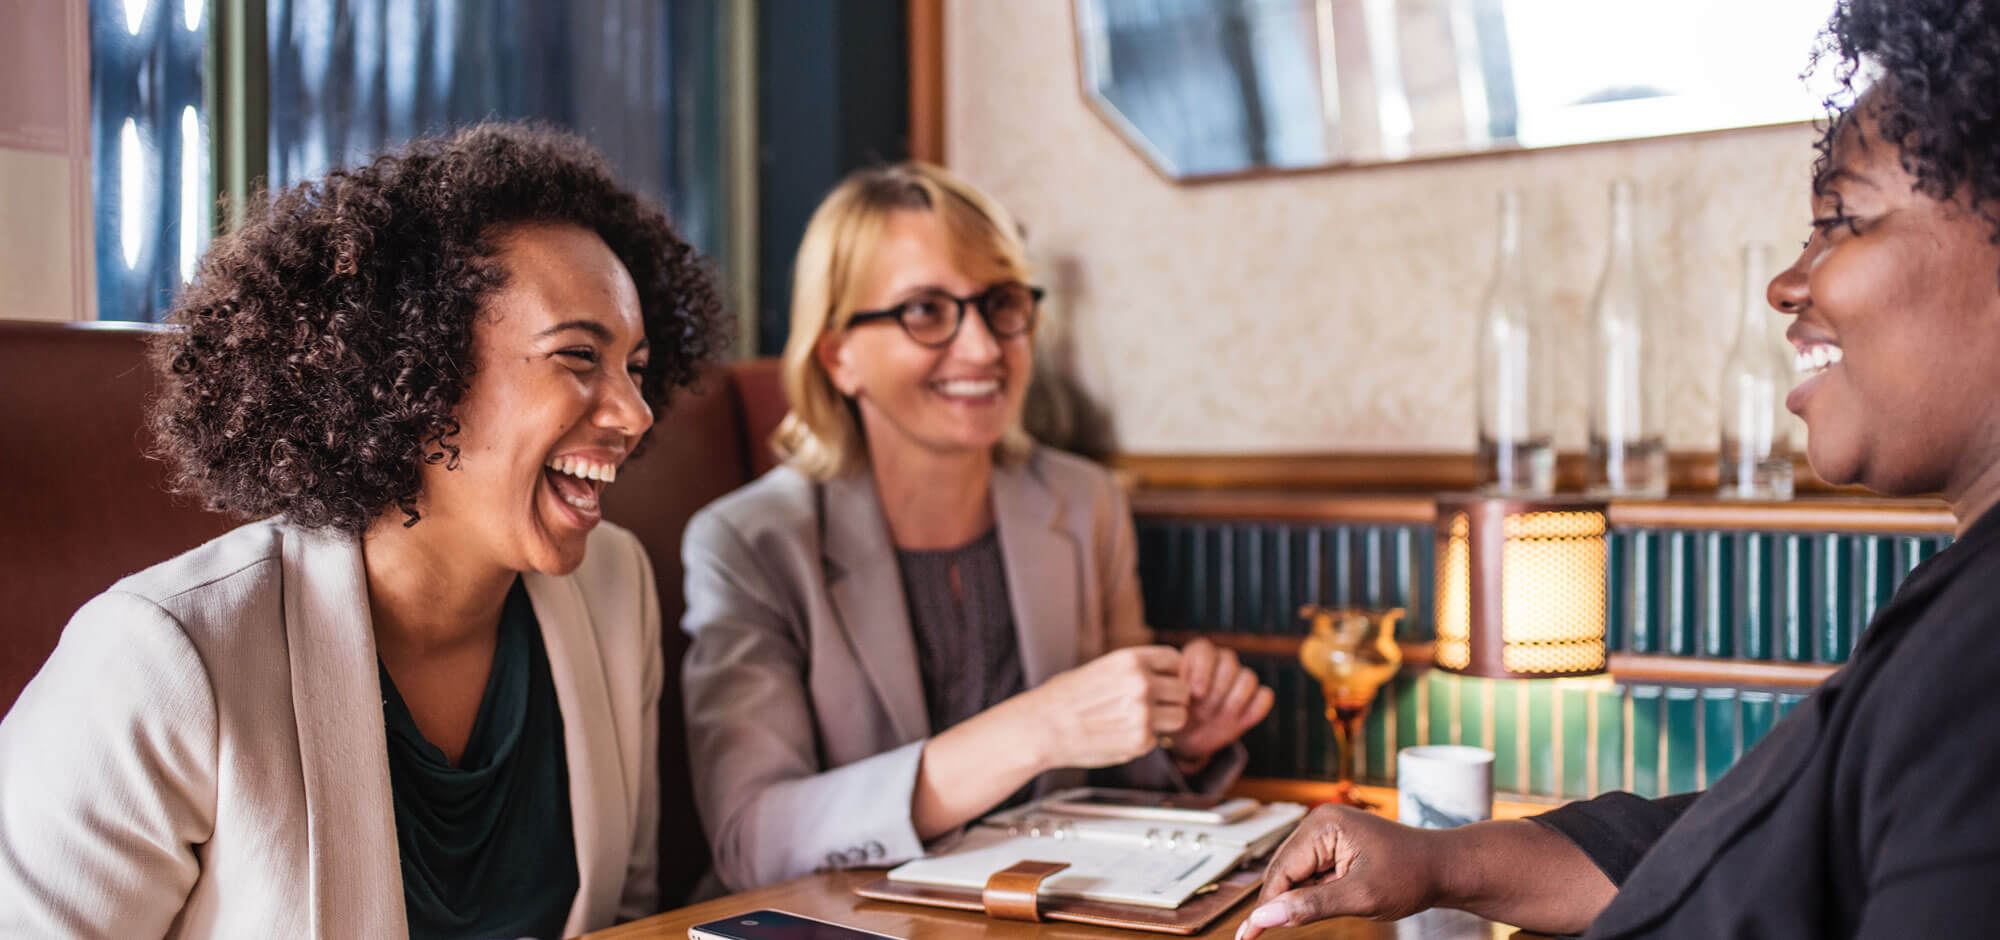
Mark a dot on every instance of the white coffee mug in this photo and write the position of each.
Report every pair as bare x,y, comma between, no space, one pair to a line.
1441,786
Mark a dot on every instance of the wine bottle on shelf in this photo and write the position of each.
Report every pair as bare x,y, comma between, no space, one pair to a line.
1756,458
1516,443
1628,451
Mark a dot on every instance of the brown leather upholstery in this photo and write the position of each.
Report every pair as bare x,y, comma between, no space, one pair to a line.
83,506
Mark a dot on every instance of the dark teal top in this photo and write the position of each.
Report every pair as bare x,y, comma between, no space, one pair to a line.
487,849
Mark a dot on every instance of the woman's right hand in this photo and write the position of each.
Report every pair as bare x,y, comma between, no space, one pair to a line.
1346,862
1110,710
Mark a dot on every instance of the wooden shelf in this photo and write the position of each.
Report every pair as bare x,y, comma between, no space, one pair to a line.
1692,472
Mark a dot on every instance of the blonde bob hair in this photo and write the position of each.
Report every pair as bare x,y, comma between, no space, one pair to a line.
821,436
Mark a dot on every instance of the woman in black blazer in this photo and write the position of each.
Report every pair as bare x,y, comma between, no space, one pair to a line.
1873,809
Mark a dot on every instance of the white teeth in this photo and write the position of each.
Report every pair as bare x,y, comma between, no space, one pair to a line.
585,469
1817,358
969,388
584,503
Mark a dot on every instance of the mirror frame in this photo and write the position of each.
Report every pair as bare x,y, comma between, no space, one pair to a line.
1129,134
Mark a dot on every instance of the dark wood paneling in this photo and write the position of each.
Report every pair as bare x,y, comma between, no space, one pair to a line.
926,19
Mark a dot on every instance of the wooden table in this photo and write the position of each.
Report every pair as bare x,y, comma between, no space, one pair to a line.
831,897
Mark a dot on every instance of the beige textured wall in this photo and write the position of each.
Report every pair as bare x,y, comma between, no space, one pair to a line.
38,269
1335,311
45,266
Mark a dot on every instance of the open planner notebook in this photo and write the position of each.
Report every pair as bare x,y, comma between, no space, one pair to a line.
1118,861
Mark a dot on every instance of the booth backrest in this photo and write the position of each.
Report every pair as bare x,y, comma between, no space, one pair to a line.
84,506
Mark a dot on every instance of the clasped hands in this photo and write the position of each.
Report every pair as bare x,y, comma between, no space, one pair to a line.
1117,707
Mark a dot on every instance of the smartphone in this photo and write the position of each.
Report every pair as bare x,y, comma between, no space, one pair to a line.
778,925
1147,804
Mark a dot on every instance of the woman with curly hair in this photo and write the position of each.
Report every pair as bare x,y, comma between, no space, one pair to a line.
420,696
1872,809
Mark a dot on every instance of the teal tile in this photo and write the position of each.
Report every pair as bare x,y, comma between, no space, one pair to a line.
1795,622
1472,712
1610,741
1376,736
1642,625
1718,594
1441,710
1575,737
1718,738
1308,736
1683,594
1787,701
1878,577
1338,581
1760,710
1832,598
1683,748
1312,561
1408,705
1645,732
1617,585
1543,742
1508,774
1755,598
1373,581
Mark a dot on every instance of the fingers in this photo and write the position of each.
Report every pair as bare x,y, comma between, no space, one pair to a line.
1163,660
1304,855
1299,906
1166,719
1260,706
1237,695
1166,690
1199,660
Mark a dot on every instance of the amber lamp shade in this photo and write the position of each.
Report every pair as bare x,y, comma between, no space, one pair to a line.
1520,587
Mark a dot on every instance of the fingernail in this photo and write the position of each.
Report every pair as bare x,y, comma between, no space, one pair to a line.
1270,915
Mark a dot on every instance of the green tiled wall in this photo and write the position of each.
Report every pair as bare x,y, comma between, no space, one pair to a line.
1752,595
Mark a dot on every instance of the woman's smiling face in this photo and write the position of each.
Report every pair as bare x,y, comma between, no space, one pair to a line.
551,409
1896,306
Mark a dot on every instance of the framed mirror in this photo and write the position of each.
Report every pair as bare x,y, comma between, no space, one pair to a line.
1207,89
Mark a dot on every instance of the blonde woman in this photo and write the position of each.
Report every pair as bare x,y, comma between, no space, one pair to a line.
921,615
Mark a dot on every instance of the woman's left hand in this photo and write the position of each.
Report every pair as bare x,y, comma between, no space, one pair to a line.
1225,700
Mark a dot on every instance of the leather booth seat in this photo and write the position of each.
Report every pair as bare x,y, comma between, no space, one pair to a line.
84,505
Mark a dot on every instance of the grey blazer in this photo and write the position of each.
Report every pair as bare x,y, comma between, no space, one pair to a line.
805,707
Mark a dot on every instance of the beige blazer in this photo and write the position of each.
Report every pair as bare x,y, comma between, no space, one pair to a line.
805,706
204,755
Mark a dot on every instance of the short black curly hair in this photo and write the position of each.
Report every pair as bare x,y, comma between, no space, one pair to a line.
319,353
1937,66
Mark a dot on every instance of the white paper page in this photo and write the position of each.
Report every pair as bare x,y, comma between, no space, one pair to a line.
1267,825
1100,870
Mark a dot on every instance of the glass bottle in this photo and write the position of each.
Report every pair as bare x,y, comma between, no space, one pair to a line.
1628,451
1516,447
1756,459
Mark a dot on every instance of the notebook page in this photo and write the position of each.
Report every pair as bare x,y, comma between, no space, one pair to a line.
1259,832
1116,871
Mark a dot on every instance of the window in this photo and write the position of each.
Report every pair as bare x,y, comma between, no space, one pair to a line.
150,173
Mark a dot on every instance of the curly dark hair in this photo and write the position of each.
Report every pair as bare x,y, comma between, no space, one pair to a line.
1937,66
322,348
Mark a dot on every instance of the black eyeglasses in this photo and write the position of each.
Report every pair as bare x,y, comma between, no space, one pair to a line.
933,317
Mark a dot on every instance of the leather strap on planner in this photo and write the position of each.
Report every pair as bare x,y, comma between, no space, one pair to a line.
1012,893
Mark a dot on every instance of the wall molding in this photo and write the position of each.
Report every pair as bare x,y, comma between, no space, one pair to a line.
1401,489
1692,472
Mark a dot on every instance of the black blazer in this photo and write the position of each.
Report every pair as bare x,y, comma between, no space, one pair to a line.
1871,810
